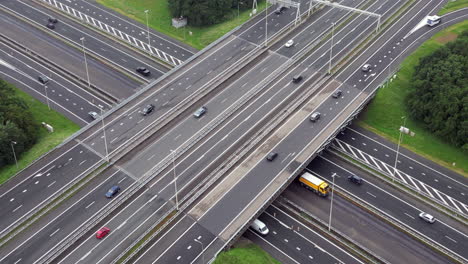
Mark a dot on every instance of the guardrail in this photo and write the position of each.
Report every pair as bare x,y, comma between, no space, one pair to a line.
334,233
319,149
389,179
401,226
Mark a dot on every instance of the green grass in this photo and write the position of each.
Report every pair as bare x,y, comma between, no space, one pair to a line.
63,128
159,19
452,6
383,115
247,253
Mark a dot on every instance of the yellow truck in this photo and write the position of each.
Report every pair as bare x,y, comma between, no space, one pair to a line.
314,184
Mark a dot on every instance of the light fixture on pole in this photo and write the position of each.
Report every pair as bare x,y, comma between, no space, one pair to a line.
147,30
403,129
104,132
14,154
266,25
47,97
331,204
175,179
203,250
86,62
331,48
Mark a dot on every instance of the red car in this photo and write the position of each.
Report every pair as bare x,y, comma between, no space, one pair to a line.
102,232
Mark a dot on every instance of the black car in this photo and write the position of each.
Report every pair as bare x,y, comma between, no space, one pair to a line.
147,109
337,94
112,191
143,71
51,25
280,10
43,79
355,179
53,20
272,156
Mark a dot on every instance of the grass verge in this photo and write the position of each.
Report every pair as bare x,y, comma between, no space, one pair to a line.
452,6
245,252
159,18
63,128
384,114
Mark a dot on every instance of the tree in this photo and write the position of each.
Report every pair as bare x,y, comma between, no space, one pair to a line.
439,98
16,124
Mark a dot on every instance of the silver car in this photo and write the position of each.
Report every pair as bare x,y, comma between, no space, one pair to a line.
427,217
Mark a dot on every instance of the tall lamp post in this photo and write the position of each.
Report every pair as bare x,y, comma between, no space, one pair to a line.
203,250
266,25
14,154
86,62
403,129
47,97
175,179
104,132
147,30
331,204
331,48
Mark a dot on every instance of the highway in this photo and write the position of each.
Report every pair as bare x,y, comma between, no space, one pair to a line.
179,51
115,55
291,241
361,226
93,197
449,188
139,215
452,235
165,153
219,212
63,96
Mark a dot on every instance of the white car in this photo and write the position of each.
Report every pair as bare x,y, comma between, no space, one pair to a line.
289,43
427,217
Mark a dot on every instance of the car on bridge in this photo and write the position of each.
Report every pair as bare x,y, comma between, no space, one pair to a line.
289,44
112,191
143,71
101,233
200,112
147,109
427,217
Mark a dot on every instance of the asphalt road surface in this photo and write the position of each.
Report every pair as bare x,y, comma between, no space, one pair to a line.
225,208
62,95
117,55
363,227
452,236
179,51
436,182
290,241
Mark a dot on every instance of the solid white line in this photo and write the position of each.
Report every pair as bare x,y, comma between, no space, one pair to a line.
273,246
415,161
314,232
66,210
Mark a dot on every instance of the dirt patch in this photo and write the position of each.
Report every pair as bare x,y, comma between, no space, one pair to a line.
446,38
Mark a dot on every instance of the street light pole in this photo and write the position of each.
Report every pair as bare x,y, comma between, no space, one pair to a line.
331,204
175,179
147,30
47,97
86,62
331,48
14,154
104,132
266,25
203,250
398,149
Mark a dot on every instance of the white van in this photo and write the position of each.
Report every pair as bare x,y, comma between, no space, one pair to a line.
259,227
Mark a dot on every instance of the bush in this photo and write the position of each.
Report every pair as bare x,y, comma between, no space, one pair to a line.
16,124
439,98
205,12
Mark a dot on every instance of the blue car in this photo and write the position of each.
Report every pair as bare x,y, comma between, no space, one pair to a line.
112,191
